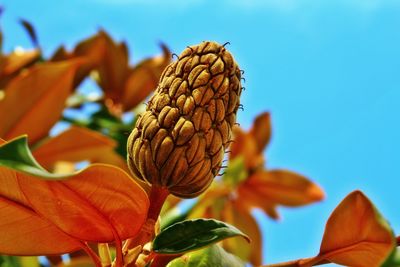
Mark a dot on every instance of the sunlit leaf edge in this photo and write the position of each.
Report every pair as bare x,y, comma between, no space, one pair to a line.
15,154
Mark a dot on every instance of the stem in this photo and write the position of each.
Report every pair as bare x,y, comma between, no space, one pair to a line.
119,258
300,263
284,264
157,199
163,260
91,254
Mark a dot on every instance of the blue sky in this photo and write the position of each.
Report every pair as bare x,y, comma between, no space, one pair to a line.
328,71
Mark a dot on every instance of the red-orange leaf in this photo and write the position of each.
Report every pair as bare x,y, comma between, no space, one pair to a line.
36,98
143,79
113,158
356,234
93,49
245,145
13,63
23,231
101,203
17,60
250,200
110,59
284,188
262,130
74,145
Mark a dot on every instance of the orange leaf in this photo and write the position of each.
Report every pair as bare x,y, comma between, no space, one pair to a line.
356,234
244,221
245,145
23,231
61,54
112,61
250,199
261,130
17,60
100,204
93,49
251,144
284,188
74,145
12,64
37,98
113,158
143,79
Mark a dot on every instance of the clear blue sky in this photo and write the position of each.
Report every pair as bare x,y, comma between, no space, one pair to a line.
329,72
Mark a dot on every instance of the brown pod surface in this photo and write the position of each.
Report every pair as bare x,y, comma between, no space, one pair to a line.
180,140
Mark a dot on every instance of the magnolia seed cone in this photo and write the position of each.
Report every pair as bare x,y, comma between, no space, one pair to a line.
180,140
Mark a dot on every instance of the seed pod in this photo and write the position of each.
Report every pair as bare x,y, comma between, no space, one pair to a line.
179,141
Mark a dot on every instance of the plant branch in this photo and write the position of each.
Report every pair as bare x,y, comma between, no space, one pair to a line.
157,199
119,259
163,260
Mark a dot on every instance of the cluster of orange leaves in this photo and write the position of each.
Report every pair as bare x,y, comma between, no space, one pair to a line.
33,96
257,188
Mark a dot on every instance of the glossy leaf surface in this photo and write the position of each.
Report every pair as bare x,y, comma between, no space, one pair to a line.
100,203
193,234
74,145
40,94
356,234
23,231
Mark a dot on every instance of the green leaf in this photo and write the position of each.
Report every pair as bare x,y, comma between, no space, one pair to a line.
393,260
193,234
16,155
213,256
9,261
